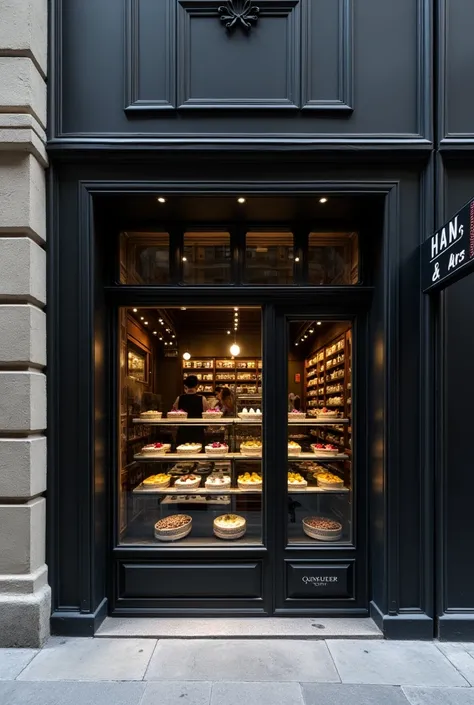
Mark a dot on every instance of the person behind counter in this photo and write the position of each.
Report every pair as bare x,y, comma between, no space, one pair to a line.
226,401
194,404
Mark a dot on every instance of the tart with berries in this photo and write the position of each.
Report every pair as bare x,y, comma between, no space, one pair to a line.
216,449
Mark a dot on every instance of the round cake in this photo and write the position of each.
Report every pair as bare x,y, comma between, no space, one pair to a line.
173,528
296,481
179,414
161,481
325,413
156,448
212,414
250,481
294,448
329,481
229,526
189,448
218,481
322,528
151,415
324,449
216,449
253,447
187,482
296,415
250,414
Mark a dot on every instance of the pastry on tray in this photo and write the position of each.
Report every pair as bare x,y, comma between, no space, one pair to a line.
250,481
329,481
160,481
248,414
324,448
293,448
296,415
189,448
187,482
156,448
173,528
229,526
322,528
177,414
151,415
216,449
325,413
212,414
296,481
251,447
218,481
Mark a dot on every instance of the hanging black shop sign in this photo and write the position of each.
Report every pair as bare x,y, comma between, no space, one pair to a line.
448,255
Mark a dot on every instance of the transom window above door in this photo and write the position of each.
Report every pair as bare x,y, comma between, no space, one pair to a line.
241,257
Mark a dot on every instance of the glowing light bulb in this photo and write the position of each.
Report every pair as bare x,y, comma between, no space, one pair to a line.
234,349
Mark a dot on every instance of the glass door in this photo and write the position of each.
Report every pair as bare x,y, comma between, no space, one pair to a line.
322,562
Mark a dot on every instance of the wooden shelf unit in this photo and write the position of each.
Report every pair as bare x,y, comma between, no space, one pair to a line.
333,358
239,376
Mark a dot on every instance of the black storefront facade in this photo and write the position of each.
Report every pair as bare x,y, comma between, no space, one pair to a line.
312,99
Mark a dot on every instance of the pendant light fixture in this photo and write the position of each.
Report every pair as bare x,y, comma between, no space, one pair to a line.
186,355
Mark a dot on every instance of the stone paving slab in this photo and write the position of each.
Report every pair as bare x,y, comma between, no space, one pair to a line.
177,693
393,663
241,661
256,694
461,659
83,659
22,693
439,696
343,694
302,628
13,661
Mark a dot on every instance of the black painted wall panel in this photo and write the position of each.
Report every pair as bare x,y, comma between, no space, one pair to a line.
458,576
312,56
456,58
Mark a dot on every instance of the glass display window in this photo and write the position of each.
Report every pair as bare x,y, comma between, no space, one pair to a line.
319,469
269,258
333,258
191,471
207,258
144,258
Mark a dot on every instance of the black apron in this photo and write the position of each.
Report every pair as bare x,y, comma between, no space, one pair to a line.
192,403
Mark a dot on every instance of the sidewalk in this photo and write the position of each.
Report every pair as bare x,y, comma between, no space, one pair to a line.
70,671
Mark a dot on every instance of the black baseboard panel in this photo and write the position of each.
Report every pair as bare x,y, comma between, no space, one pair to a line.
78,623
403,626
456,627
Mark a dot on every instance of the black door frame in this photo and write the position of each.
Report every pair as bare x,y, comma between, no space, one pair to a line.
77,577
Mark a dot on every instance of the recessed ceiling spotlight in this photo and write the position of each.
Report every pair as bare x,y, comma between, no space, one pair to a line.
173,336
184,259
228,332
318,323
311,330
142,318
155,332
166,343
297,259
135,310
160,199
161,337
323,200
296,343
241,200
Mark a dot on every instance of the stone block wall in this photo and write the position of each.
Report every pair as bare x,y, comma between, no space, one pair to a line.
24,592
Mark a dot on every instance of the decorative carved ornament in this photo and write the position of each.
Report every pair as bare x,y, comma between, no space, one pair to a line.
239,12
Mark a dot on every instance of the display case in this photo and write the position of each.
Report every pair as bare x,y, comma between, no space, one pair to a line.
210,490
